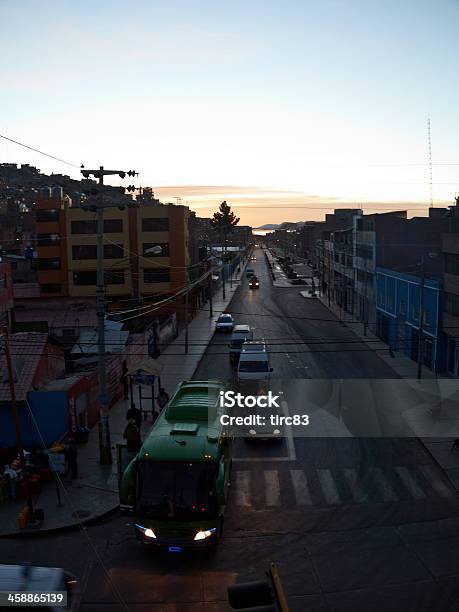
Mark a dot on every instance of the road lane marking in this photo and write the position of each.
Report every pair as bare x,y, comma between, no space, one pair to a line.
434,479
387,492
272,492
329,488
243,488
301,488
355,485
409,482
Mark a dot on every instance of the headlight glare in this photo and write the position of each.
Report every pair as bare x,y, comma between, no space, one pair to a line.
149,533
204,534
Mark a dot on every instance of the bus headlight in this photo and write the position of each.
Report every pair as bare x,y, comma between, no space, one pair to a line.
147,532
203,535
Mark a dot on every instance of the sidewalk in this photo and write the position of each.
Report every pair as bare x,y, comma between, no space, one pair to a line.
424,423
94,493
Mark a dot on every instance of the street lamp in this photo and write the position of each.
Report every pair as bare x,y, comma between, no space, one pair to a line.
154,250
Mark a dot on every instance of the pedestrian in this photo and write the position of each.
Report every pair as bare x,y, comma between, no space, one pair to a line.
72,457
134,413
124,380
132,437
162,399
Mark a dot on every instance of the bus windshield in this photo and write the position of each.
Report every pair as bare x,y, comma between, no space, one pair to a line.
176,490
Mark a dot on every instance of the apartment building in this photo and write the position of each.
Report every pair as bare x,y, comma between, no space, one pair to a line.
67,250
450,314
6,294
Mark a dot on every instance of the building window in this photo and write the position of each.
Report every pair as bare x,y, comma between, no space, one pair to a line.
452,304
86,277
48,240
83,227
164,249
156,275
155,225
415,312
51,288
113,226
84,251
52,263
115,277
46,216
427,317
113,251
452,263
89,277
89,251
403,307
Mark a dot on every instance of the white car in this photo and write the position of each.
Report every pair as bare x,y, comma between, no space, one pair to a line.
225,322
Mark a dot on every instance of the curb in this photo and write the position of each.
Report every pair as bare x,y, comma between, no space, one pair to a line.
432,456
69,527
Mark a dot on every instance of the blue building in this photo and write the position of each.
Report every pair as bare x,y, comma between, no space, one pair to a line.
398,300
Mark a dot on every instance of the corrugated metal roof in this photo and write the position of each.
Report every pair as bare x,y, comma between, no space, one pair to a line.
115,342
26,351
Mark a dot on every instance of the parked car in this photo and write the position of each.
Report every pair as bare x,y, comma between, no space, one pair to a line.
241,333
254,283
225,322
35,579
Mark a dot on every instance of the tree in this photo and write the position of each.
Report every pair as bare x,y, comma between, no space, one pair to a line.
223,221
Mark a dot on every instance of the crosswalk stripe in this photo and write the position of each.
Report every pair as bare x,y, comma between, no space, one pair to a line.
434,479
328,486
409,482
272,492
355,485
387,492
243,488
300,488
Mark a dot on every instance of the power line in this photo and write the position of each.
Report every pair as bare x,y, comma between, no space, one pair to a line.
21,144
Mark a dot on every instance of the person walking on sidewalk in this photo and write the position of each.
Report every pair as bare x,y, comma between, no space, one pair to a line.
132,436
134,413
124,380
162,399
71,453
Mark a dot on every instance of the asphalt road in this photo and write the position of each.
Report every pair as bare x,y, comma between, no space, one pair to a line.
305,339
355,523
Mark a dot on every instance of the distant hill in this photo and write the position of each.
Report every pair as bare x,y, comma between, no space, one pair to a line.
268,226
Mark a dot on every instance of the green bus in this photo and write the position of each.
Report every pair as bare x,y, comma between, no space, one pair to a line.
177,486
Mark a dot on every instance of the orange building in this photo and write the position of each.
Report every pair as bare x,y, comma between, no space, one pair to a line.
67,251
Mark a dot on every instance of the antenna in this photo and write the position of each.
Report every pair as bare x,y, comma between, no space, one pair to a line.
429,144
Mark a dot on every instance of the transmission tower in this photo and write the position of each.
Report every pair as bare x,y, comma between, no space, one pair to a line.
429,144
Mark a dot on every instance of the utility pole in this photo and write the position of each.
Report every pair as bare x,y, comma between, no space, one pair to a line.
421,309
187,303
9,366
105,448
211,313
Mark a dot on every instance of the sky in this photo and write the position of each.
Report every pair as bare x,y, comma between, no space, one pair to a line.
286,109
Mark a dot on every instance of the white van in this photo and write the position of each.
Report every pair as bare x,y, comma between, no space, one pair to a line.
33,579
254,362
241,334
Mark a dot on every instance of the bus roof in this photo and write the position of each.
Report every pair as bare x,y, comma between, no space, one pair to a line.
189,429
